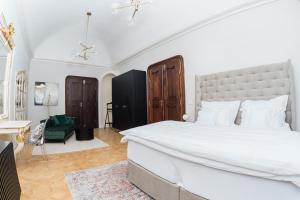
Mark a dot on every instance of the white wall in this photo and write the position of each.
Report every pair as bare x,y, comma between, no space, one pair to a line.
55,72
261,35
21,58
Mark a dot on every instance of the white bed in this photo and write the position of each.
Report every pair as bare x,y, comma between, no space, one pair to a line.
204,177
214,184
199,167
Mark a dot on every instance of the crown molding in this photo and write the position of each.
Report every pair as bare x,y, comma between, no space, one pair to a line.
202,24
78,64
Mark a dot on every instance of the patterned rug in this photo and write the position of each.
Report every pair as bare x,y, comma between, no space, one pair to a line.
104,183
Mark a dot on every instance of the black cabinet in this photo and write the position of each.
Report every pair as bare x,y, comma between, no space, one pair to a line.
9,182
129,100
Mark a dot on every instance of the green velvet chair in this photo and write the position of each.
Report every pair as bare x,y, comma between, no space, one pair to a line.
59,128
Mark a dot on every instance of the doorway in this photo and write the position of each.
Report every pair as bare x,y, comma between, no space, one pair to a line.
106,95
82,101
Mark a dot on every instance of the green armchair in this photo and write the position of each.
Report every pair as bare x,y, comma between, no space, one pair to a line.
59,128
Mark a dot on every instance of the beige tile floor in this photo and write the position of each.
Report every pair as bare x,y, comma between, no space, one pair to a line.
43,179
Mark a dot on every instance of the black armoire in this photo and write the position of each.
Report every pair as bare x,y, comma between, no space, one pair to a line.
129,100
9,182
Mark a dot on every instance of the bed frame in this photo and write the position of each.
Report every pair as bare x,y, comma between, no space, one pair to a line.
256,83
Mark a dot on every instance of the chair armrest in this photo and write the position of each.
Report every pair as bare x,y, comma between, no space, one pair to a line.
48,122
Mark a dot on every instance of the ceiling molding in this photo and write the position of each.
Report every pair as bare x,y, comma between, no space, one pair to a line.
78,64
202,24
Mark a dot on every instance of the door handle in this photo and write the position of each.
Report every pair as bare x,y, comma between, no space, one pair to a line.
81,104
124,106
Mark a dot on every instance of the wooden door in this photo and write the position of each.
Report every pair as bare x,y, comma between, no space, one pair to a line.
166,97
155,94
74,99
174,106
90,103
82,101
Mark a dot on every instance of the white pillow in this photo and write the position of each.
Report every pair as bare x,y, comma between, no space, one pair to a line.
222,113
206,118
264,114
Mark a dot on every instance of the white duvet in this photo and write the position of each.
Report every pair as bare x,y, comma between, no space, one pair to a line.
267,154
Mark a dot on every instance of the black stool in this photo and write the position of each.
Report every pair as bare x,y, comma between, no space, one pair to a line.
84,133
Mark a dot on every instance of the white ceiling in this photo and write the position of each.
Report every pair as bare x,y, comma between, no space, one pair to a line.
54,27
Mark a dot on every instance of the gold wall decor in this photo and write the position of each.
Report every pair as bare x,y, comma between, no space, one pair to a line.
7,31
6,51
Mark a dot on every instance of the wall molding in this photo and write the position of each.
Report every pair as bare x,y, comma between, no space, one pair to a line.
202,24
78,64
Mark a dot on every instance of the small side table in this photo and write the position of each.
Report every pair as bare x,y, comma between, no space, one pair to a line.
84,133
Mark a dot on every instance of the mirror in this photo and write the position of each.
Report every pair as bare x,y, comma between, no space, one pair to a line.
6,51
3,62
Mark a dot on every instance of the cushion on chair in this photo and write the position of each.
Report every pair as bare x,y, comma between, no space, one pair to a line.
54,121
69,121
63,120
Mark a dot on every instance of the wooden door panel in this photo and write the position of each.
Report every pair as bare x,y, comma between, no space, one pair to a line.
90,102
173,90
155,94
166,96
74,99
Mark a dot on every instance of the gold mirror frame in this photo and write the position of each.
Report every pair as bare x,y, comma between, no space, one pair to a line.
6,37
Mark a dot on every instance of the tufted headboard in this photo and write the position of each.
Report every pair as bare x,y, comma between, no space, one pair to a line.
255,83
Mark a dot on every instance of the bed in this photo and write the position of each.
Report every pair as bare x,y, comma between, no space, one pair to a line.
167,172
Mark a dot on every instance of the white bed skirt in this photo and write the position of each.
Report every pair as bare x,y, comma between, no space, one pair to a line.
208,182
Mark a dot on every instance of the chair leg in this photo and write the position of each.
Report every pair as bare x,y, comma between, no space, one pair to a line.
105,121
43,149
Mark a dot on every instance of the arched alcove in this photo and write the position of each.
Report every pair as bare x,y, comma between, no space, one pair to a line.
105,94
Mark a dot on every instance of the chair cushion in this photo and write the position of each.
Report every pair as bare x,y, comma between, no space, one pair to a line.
54,121
69,121
63,120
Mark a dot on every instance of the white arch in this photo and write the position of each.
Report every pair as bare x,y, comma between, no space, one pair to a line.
108,73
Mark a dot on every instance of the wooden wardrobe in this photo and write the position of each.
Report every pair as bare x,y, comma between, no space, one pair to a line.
166,97
82,101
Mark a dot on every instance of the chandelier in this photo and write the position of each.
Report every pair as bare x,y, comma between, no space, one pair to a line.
86,49
135,5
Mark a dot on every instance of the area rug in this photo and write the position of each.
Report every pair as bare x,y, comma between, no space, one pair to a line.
72,145
104,183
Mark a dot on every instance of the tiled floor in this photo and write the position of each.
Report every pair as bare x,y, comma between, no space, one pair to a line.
42,180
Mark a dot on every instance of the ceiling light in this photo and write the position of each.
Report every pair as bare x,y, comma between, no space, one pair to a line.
135,5
86,50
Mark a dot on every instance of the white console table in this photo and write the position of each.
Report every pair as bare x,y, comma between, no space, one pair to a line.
18,128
